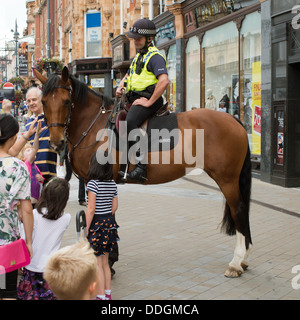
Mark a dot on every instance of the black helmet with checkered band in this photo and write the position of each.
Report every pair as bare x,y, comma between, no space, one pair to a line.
142,27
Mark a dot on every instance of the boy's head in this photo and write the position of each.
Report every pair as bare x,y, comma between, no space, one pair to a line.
72,272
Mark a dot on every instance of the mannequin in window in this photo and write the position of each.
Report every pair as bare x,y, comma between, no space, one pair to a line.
210,100
225,99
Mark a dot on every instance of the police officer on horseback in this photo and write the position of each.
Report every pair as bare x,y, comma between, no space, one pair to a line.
147,79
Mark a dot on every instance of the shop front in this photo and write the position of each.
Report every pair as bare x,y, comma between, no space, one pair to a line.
281,95
222,62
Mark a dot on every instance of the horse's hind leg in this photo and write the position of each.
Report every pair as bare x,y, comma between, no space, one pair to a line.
234,223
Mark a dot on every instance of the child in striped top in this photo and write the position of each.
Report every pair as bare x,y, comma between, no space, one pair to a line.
102,228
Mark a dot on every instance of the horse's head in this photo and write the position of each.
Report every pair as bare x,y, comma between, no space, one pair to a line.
57,105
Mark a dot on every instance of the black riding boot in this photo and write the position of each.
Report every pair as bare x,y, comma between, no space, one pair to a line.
139,173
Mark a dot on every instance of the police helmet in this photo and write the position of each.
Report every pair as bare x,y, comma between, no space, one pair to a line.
142,27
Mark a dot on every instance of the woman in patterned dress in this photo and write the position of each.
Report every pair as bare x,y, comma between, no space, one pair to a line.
14,189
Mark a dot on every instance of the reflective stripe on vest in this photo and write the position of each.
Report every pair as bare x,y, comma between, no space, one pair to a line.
139,82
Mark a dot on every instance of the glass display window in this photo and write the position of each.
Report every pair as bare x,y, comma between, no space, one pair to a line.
171,67
193,73
250,106
221,68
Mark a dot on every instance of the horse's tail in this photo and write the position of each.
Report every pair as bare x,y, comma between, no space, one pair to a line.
242,211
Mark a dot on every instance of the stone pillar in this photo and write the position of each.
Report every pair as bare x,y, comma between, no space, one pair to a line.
266,92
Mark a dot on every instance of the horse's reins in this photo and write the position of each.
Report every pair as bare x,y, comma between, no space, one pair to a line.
65,125
102,110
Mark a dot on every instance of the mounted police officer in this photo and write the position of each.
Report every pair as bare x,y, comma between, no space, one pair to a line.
147,79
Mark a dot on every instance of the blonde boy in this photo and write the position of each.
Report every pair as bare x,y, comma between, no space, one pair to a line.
72,272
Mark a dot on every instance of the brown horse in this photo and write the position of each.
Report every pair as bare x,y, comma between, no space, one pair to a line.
75,111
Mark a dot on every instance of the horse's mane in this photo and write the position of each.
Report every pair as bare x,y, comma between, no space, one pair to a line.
80,89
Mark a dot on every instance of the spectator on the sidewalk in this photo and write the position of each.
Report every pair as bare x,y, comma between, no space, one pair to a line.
6,106
14,190
46,158
100,219
50,223
28,155
72,272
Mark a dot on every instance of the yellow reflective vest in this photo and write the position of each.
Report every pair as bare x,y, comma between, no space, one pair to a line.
139,82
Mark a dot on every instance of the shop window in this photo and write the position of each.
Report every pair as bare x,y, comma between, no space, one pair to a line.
279,53
250,102
221,70
193,73
93,34
171,66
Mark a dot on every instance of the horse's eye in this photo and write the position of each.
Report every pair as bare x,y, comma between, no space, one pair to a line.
43,103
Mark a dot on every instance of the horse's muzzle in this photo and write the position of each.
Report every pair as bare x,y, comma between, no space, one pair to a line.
57,147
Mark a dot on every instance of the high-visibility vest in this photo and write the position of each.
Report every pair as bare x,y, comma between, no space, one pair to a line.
139,82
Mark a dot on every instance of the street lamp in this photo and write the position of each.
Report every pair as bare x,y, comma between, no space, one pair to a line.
16,37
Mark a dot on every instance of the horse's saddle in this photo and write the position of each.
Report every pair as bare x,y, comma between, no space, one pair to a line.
159,128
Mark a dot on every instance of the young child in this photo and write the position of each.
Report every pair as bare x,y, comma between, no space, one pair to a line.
28,154
72,272
101,225
50,223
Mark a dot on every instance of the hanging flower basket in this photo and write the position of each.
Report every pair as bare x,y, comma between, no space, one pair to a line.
18,97
17,81
44,64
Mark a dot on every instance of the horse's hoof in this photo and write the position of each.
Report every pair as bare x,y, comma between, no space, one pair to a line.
232,272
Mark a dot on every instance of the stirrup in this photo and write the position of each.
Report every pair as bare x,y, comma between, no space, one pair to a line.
140,176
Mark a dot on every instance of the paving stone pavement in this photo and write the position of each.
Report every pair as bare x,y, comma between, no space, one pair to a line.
171,247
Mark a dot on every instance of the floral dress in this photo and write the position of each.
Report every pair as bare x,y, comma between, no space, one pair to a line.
14,186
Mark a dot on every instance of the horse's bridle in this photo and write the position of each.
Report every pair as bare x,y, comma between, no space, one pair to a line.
70,107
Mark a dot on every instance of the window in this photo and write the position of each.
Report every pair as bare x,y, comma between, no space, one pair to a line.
250,112
171,66
193,73
93,34
221,72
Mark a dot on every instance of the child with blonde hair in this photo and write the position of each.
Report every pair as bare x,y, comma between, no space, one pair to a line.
28,154
72,272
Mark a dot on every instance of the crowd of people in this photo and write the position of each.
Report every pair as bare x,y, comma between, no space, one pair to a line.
80,271
33,202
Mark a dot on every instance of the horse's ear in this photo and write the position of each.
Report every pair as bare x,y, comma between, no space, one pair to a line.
40,76
65,74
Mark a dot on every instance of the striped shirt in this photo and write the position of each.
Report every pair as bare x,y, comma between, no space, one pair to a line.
105,191
46,158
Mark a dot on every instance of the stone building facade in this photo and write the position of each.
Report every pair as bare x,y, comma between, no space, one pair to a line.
81,32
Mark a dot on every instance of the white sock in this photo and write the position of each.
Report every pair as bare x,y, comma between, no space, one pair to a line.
107,292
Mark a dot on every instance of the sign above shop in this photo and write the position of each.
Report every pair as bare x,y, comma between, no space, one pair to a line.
205,13
97,83
165,33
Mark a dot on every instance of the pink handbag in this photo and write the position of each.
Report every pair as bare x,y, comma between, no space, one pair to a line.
13,256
